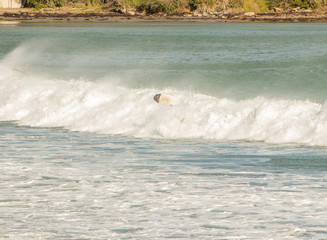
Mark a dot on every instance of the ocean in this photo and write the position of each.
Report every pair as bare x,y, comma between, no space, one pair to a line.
240,153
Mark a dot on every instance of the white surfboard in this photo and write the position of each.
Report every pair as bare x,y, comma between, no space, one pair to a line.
166,100
163,99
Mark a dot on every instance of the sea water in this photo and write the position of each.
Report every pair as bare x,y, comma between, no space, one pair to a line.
86,153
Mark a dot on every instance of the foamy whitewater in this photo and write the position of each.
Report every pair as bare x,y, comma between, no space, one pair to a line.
86,153
107,108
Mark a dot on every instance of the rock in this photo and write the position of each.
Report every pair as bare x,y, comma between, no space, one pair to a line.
197,14
249,14
295,9
117,10
130,12
277,9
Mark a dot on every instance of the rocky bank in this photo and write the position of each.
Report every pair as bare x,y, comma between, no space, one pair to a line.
12,16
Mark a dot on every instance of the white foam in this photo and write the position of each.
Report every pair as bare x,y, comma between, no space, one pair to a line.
107,108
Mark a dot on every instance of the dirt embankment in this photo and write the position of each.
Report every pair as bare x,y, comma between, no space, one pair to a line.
8,16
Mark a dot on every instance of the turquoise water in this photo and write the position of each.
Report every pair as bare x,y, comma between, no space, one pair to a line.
222,60
86,153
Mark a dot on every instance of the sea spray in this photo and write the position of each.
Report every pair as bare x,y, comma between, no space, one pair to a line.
109,105
106,108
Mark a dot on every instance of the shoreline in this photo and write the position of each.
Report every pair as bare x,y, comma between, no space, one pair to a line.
16,16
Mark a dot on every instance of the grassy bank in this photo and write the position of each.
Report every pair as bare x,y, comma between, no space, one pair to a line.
182,6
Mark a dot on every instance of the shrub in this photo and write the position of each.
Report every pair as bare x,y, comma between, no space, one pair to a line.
235,4
305,4
255,6
38,4
203,5
194,4
160,6
139,5
275,4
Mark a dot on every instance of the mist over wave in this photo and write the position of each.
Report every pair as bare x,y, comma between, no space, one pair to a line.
108,107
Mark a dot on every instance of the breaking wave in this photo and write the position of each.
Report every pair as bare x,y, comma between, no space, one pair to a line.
107,107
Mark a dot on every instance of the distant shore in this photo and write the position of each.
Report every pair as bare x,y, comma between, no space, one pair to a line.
13,16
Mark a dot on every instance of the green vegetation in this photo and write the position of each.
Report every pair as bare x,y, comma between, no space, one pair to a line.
179,6
302,4
38,4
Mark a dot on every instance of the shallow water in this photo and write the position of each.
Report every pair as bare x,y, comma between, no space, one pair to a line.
86,153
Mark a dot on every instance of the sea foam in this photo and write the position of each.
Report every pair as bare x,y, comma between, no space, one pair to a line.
107,107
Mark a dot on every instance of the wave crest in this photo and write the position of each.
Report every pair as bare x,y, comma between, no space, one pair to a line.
107,108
